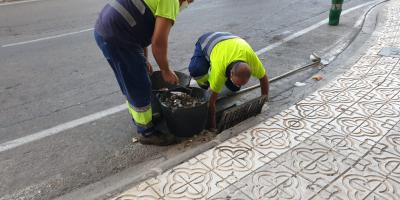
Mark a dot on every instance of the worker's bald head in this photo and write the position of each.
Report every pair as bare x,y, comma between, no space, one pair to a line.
240,73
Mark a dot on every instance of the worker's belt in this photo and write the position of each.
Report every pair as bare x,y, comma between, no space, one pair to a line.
125,13
209,40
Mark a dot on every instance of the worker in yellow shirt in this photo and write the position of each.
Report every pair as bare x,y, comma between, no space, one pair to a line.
222,59
124,30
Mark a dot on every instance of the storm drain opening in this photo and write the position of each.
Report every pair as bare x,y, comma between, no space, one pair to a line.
237,114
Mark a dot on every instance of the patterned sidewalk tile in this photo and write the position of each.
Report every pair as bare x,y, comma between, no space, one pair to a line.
369,107
274,181
383,67
386,93
392,141
372,129
297,122
315,163
190,180
390,82
345,145
324,114
360,90
231,193
359,185
233,159
360,127
356,72
307,107
396,71
329,92
388,189
347,82
376,108
142,191
388,115
271,143
343,100
366,61
385,164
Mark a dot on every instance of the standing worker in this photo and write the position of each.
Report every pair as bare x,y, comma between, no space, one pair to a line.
223,59
123,31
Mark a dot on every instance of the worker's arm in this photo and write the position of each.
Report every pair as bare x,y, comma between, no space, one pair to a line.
149,66
264,82
159,46
212,110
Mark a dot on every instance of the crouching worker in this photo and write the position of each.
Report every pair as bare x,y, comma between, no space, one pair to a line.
222,59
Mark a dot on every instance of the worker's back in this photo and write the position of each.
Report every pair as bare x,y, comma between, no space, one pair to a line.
130,23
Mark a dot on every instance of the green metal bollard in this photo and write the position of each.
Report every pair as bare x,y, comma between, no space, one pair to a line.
335,12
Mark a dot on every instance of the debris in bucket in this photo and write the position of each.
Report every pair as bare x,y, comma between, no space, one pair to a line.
180,100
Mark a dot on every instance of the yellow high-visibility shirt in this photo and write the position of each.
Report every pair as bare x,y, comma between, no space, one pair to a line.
227,52
164,8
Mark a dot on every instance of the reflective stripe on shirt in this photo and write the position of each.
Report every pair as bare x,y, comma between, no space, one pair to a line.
125,14
208,43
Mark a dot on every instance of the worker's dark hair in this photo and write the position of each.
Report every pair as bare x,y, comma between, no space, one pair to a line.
241,70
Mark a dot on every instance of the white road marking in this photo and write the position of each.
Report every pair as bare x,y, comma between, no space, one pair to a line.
17,2
308,29
47,38
62,127
93,117
261,51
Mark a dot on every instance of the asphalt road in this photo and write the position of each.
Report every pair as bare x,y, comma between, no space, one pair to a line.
52,73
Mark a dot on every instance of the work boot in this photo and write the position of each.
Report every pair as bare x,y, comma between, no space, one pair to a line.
157,138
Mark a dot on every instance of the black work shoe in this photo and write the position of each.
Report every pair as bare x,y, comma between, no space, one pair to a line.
158,139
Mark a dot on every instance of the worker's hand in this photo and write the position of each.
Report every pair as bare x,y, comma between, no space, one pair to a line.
149,67
170,77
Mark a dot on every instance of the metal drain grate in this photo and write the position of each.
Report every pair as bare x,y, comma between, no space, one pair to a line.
237,114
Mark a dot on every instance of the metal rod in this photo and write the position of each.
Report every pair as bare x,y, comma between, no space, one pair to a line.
273,79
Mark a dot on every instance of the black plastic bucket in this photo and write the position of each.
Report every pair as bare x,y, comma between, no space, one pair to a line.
186,122
157,83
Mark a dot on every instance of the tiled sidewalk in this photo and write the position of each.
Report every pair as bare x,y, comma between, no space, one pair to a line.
342,142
